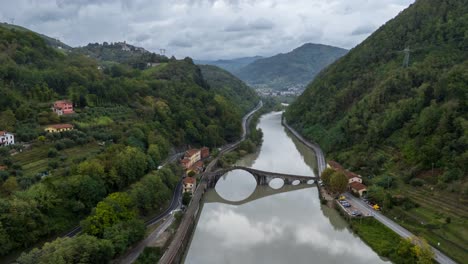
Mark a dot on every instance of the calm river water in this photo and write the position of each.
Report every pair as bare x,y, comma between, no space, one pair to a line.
242,223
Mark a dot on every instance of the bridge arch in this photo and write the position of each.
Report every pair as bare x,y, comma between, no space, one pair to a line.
261,177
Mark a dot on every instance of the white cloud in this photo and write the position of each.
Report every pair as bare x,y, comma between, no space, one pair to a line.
236,230
205,28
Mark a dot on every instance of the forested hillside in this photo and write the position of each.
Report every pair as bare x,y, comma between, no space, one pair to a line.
293,69
402,123
50,41
230,87
120,52
126,122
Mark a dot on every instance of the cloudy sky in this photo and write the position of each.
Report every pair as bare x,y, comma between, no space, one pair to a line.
205,29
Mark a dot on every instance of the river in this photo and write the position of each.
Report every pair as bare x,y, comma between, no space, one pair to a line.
240,222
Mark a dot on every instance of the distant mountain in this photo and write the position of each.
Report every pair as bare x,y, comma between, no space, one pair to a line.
294,69
120,52
229,86
55,43
232,66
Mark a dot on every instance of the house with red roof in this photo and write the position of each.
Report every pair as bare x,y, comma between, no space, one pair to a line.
190,184
63,107
358,188
354,180
331,164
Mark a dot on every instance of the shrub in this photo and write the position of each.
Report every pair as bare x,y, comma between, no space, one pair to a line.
417,182
52,153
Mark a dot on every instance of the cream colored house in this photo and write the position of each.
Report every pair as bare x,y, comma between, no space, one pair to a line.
58,128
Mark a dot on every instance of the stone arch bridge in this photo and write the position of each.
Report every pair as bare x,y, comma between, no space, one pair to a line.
262,177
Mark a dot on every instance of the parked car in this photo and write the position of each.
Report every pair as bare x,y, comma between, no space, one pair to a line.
342,198
356,213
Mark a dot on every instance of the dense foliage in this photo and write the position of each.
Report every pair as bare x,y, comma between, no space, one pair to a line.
229,86
292,69
50,41
120,52
397,249
127,121
373,114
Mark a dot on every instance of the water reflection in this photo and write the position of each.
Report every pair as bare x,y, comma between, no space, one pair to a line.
283,227
236,185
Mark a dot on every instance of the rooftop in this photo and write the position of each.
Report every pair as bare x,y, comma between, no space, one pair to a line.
357,186
60,126
335,165
191,152
351,175
189,180
63,102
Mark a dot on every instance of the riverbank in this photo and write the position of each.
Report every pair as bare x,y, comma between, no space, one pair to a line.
324,196
176,249
384,224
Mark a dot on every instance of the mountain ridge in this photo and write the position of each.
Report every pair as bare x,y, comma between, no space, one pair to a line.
293,69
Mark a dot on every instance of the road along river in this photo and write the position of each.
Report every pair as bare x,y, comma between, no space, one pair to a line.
262,225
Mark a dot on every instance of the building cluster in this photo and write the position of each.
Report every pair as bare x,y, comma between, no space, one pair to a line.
291,91
354,180
193,161
63,107
6,138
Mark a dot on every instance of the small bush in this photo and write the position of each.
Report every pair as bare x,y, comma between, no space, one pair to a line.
52,153
417,182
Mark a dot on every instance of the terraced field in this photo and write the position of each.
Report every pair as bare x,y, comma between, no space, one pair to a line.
36,160
430,219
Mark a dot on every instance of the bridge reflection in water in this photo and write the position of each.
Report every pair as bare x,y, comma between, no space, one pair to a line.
262,189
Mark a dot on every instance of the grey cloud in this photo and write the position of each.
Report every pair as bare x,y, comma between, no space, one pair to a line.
205,29
363,29
261,24
181,43
241,25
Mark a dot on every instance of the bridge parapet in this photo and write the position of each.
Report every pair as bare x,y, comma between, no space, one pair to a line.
262,177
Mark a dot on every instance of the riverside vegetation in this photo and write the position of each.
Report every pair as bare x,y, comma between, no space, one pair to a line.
403,127
127,122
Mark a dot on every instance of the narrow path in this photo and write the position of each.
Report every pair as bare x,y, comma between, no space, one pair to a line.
439,256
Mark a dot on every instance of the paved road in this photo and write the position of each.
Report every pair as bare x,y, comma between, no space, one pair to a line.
175,204
403,232
190,214
133,254
321,163
364,208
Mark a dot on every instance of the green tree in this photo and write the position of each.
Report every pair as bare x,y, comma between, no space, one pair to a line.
124,234
326,176
186,197
10,186
155,154
80,250
131,165
7,120
115,208
338,182
92,168
423,251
